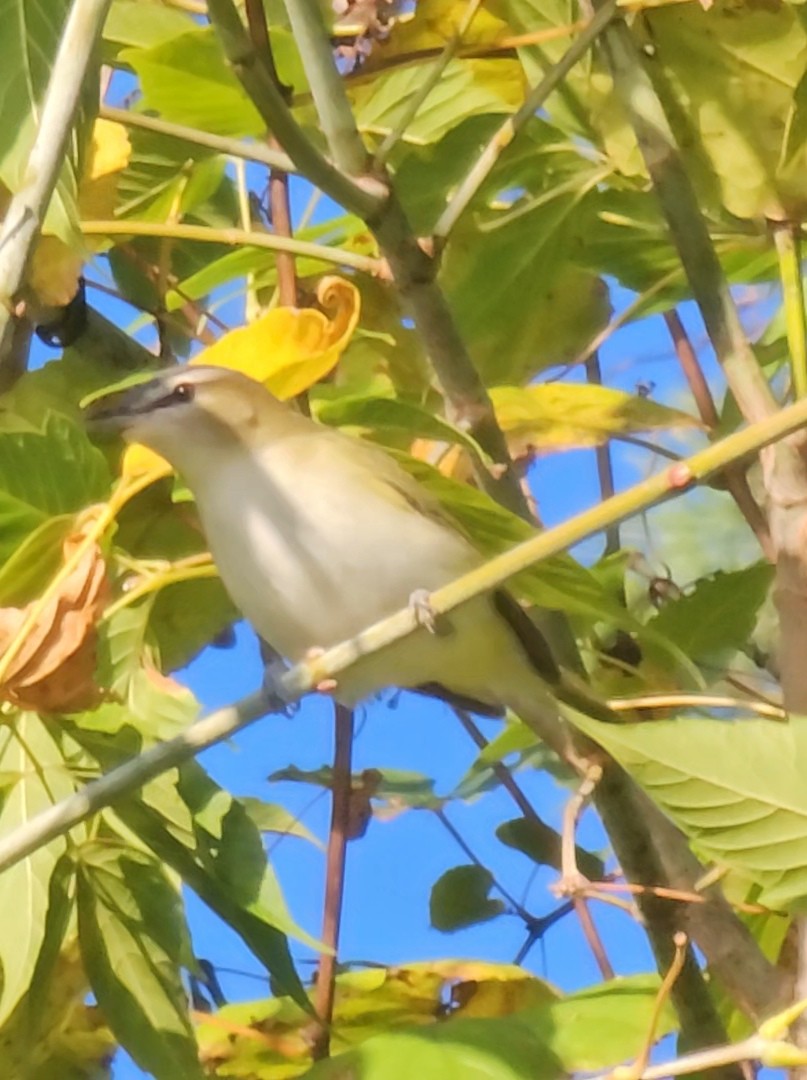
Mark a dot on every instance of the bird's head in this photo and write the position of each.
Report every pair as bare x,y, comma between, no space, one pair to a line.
184,411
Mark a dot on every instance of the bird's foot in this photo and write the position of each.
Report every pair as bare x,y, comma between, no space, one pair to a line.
274,689
324,686
421,604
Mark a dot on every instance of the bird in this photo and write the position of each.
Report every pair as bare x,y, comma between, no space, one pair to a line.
318,534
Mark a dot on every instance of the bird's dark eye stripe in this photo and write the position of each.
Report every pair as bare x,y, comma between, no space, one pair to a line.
181,392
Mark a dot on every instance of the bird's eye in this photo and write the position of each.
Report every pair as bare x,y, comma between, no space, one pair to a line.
182,392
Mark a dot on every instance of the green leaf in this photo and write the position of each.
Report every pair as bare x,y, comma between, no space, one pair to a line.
398,787
24,574
542,844
142,24
736,788
585,1032
186,617
251,906
456,1050
466,88
134,940
718,615
29,754
386,414
459,898
274,818
28,44
55,471
493,262
565,415
187,80
605,1024
738,77
165,179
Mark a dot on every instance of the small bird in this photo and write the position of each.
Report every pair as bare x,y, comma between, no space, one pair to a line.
318,535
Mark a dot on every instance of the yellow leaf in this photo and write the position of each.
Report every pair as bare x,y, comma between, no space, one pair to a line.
54,272
287,349
108,156
559,416
55,268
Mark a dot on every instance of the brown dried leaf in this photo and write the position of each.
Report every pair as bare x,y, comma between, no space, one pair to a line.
53,671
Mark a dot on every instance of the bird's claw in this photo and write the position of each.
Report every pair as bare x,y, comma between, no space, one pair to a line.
421,604
275,691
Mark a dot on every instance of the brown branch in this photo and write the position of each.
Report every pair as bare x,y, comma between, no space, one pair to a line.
605,466
736,479
334,878
279,205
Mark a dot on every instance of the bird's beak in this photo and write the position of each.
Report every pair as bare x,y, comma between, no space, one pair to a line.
114,413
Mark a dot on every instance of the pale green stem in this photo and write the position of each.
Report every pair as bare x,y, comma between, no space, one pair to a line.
484,164
327,89
27,209
304,677
429,83
235,238
365,198
687,226
237,148
787,238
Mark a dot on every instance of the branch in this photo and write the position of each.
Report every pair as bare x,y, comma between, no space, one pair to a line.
787,238
640,96
235,238
364,199
736,479
305,677
630,818
513,124
127,778
334,877
237,148
430,81
27,209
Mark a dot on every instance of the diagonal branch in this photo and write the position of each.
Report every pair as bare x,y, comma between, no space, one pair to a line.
502,138
305,677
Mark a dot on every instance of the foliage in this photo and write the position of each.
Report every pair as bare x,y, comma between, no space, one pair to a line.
107,591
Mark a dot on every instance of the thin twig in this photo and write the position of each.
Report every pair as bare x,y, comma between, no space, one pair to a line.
787,238
675,700
468,851
735,478
365,198
605,466
418,99
237,148
59,819
26,211
484,164
573,884
233,238
334,878
503,47
693,372
279,206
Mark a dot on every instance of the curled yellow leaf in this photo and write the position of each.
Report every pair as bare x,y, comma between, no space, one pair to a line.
289,349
